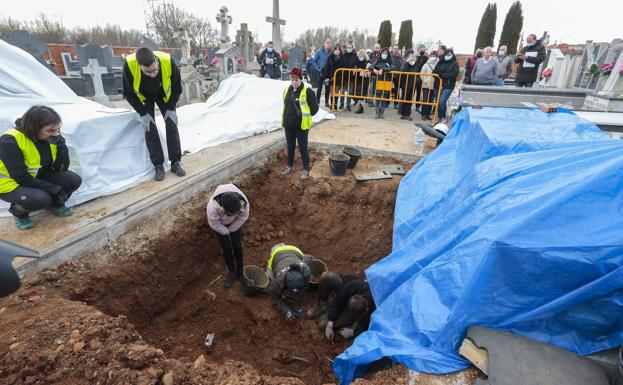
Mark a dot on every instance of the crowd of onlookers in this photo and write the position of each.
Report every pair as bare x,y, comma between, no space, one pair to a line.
379,75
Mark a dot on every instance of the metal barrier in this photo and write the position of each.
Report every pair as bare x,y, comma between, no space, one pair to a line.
392,86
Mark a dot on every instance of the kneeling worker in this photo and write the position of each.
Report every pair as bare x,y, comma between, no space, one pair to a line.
289,278
350,305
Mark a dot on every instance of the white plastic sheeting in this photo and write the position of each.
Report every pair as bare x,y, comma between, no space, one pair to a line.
107,145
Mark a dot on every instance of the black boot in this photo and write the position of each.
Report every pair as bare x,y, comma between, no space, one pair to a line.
359,109
177,169
159,175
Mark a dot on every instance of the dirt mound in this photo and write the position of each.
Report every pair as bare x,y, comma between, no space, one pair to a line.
163,282
402,376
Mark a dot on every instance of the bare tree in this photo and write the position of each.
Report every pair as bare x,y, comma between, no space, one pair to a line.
8,25
429,43
202,34
50,31
316,37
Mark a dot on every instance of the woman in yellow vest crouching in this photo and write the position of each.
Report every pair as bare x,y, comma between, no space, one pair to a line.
34,163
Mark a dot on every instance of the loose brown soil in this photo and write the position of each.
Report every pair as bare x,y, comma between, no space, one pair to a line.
138,312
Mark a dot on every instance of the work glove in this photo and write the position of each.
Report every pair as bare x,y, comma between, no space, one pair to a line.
327,82
59,198
170,114
300,313
58,140
146,121
347,333
289,316
328,331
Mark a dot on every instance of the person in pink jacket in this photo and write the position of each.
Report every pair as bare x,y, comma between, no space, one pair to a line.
228,210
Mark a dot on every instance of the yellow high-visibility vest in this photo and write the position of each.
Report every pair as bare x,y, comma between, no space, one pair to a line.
165,69
306,119
279,249
32,159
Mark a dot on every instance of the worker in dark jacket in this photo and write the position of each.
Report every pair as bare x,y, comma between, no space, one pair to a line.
151,78
529,59
382,73
407,85
288,276
270,62
448,69
344,303
299,105
349,62
34,163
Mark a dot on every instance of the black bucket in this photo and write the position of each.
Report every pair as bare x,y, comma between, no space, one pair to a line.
338,164
354,154
254,280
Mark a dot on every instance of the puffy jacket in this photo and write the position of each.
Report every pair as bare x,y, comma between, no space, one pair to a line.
406,80
221,222
428,68
333,64
396,62
530,74
420,61
448,70
275,68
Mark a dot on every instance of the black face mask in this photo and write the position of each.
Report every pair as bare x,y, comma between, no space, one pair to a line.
479,55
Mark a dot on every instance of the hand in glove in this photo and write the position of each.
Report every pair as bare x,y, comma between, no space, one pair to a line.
347,333
170,114
146,121
289,316
328,331
300,313
58,140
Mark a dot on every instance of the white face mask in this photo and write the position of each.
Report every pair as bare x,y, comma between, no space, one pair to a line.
448,57
384,56
502,53
361,58
349,50
412,62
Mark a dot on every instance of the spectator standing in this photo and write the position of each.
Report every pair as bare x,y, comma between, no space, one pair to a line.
429,93
270,62
420,60
407,85
396,66
362,79
469,66
382,71
349,61
505,65
321,58
448,69
373,57
485,72
335,80
529,59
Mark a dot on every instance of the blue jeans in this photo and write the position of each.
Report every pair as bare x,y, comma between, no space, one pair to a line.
499,82
443,102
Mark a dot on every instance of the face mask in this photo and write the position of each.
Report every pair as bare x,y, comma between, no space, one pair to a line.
361,58
502,53
529,44
422,52
269,49
448,57
349,50
412,62
479,55
384,56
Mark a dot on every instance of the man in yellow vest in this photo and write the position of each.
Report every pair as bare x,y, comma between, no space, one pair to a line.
151,78
289,277
299,105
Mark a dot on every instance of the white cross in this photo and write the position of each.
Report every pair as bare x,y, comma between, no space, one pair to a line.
277,23
96,71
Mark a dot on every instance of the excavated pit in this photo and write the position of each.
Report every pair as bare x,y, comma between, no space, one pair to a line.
166,276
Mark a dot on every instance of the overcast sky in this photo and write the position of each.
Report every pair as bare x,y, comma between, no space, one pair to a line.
453,22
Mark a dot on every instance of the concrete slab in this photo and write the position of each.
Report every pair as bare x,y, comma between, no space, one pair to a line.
102,220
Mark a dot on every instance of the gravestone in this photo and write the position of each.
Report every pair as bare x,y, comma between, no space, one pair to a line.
244,42
558,62
113,62
226,53
72,67
86,52
277,23
296,57
31,44
96,71
225,20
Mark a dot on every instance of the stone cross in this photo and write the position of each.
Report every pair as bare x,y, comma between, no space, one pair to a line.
277,23
225,20
96,71
245,42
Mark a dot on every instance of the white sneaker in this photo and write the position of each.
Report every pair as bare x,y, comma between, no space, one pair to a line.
304,175
287,171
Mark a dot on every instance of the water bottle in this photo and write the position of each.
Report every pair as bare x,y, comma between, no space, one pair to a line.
418,141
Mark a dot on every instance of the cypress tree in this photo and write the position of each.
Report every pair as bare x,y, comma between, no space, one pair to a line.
486,29
405,37
513,23
385,34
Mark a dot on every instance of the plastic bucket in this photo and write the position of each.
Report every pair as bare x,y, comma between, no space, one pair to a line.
354,154
254,280
338,164
316,268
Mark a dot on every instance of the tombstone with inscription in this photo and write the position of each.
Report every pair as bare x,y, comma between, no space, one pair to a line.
31,44
296,57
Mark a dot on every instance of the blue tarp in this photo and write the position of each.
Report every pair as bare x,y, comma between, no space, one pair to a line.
515,222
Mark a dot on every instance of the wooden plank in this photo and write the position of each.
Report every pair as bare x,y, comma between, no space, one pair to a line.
477,356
